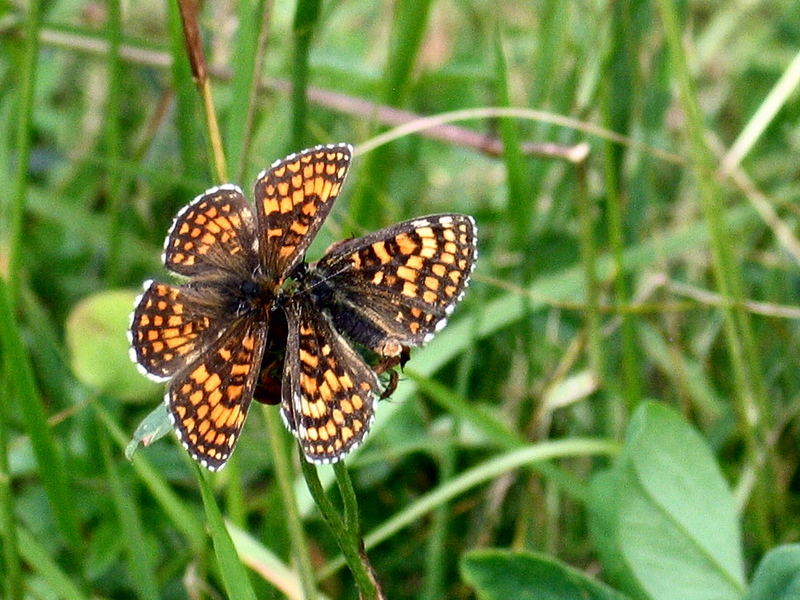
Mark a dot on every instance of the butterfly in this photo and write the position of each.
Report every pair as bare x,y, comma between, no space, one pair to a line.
252,318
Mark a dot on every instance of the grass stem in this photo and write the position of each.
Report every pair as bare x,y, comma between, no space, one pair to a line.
197,60
25,98
305,21
283,475
749,398
113,141
350,542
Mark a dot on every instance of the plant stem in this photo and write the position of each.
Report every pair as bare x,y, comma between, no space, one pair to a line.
8,528
350,542
283,473
594,336
197,59
750,399
113,141
349,501
27,76
305,19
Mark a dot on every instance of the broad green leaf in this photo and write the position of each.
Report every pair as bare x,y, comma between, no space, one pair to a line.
503,574
778,575
603,526
668,515
98,346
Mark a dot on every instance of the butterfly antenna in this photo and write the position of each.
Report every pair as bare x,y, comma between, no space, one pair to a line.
344,269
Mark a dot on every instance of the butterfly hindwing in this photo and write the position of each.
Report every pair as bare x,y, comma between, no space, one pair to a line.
328,389
387,291
208,401
168,328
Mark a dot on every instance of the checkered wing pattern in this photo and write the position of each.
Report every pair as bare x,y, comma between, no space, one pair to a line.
208,401
212,236
168,329
397,286
328,389
293,197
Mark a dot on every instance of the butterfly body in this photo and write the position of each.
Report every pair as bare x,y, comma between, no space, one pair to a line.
253,320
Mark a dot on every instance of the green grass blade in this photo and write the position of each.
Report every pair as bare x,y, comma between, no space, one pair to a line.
27,77
750,399
185,520
409,25
41,561
235,501
29,404
586,210
264,562
482,473
12,583
234,576
140,563
765,115
113,115
494,430
554,16
687,373
617,108
305,22
283,473
187,109
88,226
254,19
519,203
437,551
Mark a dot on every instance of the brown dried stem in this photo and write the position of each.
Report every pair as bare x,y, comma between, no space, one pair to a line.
342,103
197,60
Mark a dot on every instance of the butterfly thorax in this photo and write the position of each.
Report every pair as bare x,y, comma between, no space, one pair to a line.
252,297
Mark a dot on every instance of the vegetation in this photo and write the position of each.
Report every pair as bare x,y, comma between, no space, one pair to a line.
612,411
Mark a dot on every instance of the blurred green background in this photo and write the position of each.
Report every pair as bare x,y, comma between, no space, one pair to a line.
612,411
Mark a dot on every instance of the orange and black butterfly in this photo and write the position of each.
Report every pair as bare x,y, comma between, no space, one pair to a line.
254,318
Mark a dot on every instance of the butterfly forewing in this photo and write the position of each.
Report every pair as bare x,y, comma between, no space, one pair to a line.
328,389
213,236
397,286
168,329
208,401
293,197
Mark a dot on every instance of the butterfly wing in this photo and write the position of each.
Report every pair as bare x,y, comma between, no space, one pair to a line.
212,236
397,286
328,389
293,197
169,327
208,401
